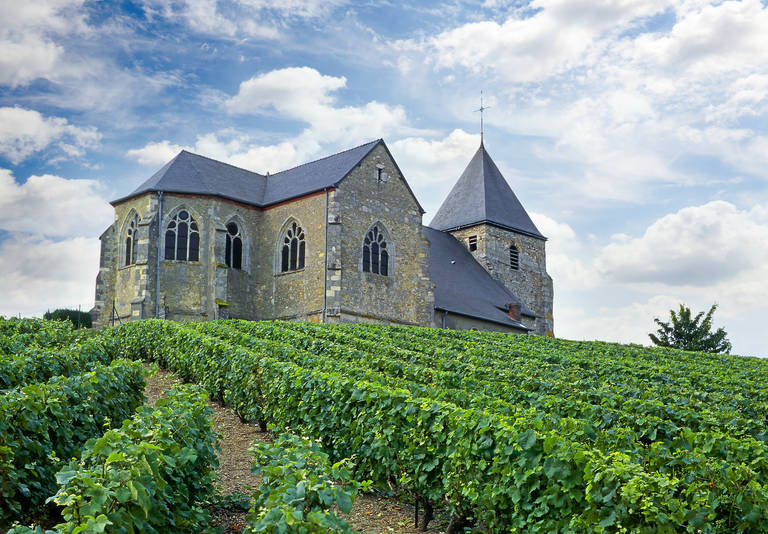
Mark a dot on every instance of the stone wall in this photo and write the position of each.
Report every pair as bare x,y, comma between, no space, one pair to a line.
530,283
405,296
118,284
456,321
105,279
207,289
296,294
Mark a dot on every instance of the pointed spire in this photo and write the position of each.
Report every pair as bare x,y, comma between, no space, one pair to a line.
482,195
481,109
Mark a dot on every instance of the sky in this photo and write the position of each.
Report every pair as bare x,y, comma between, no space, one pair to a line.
635,132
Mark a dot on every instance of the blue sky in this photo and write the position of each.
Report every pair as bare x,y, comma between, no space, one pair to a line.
633,131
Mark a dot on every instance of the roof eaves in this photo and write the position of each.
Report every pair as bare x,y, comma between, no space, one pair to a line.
299,196
512,323
498,225
172,192
132,195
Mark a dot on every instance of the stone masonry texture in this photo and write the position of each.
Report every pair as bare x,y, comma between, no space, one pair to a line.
331,287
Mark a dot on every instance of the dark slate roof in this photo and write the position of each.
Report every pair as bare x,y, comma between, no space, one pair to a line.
482,195
463,286
193,174
190,173
315,175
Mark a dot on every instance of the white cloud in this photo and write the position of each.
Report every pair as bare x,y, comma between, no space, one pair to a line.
428,161
550,37
432,166
296,8
56,40
631,320
557,37
261,19
27,59
567,255
623,95
53,206
629,323
202,16
709,39
156,153
27,37
24,132
37,274
240,150
42,15
602,135
699,255
744,97
304,94
231,147
698,246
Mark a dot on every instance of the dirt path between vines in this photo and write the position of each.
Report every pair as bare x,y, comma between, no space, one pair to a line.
371,513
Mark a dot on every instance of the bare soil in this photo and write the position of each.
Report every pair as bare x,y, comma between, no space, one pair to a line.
372,513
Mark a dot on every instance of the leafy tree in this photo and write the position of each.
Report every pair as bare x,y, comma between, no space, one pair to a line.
79,319
689,333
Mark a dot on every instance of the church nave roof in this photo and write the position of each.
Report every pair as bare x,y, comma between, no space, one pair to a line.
194,174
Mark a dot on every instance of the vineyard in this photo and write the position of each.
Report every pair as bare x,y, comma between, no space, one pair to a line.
505,433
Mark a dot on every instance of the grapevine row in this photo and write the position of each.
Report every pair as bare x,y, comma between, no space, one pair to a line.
509,473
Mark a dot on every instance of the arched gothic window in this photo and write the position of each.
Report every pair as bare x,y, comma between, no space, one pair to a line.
130,240
182,238
514,257
293,249
375,255
234,250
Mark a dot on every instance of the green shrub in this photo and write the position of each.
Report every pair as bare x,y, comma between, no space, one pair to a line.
38,364
151,475
43,425
300,488
17,335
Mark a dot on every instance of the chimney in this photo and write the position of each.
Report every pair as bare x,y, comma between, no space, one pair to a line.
514,311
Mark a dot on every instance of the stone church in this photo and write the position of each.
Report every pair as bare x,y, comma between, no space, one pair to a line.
339,239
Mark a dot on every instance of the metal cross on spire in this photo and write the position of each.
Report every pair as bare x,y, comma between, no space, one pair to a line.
481,109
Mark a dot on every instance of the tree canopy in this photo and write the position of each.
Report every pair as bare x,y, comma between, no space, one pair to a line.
684,332
80,319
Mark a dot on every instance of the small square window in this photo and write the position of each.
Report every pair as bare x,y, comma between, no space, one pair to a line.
472,243
381,175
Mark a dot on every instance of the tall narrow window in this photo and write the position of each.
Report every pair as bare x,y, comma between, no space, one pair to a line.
514,257
130,241
375,255
182,238
293,249
472,243
234,250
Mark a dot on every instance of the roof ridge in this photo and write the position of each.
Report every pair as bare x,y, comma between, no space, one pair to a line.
326,157
218,161
485,155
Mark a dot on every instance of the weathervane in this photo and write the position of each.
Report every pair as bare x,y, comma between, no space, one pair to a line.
481,109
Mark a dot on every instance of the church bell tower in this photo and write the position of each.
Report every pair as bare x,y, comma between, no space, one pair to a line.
484,214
